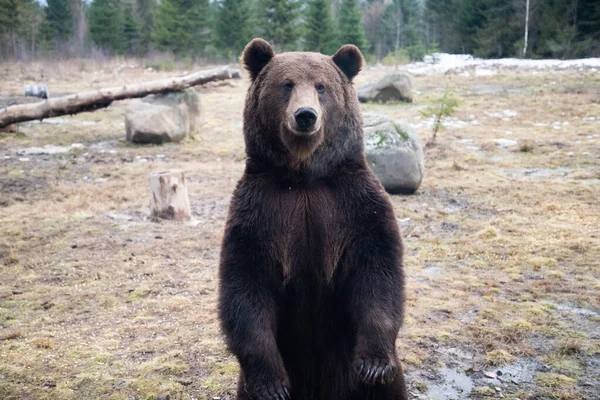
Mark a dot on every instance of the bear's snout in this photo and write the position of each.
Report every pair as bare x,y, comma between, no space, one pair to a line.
306,117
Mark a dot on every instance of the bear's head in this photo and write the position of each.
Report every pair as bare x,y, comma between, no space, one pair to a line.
301,109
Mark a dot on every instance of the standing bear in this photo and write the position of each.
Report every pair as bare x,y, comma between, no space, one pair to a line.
311,281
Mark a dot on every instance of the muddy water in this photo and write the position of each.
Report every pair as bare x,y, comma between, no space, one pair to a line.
454,385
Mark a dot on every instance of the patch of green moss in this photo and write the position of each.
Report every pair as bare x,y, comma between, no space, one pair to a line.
400,132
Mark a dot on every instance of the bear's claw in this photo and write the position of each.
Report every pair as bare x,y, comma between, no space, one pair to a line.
375,370
272,391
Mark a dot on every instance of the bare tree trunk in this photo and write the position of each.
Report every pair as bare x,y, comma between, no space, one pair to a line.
90,101
33,37
398,24
169,196
526,28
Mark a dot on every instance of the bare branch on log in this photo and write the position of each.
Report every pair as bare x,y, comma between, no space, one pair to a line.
93,100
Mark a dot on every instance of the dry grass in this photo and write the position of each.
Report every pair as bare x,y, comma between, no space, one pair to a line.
499,244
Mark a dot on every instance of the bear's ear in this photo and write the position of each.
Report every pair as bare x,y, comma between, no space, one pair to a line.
256,55
349,59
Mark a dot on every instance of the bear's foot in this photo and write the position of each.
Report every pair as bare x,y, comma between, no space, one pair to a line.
276,390
375,370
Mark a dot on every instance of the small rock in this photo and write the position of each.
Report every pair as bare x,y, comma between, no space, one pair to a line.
120,217
505,142
46,305
489,375
450,226
497,389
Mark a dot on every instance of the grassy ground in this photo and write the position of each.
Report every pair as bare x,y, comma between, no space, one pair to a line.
503,245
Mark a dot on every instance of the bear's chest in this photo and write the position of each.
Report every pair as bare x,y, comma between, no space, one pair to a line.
308,232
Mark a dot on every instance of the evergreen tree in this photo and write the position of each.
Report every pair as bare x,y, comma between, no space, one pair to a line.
350,28
280,22
588,27
145,14
59,22
105,21
233,26
182,26
131,31
10,20
320,32
497,35
441,18
468,21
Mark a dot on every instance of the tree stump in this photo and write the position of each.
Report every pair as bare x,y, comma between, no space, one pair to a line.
169,196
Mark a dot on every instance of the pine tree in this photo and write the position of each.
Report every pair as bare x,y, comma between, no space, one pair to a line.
131,32
145,14
320,35
182,26
441,18
233,26
280,22
59,19
350,28
469,19
497,35
10,20
105,21
588,28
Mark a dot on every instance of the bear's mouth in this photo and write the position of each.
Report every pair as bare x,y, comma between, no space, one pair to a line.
302,133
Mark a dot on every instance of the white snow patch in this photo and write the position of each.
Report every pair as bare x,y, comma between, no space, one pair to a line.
443,62
504,114
449,122
505,142
485,72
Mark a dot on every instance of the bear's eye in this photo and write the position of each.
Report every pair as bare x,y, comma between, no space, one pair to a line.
288,85
320,87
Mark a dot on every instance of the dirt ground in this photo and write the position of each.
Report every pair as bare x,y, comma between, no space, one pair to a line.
502,243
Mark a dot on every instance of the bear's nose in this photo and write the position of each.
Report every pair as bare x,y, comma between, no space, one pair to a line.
306,117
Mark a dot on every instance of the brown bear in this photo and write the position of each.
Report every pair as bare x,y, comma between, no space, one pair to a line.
311,280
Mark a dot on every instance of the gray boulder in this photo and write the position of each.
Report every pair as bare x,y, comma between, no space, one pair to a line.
160,118
394,153
395,87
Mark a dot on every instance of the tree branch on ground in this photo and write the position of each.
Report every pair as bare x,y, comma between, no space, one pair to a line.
93,100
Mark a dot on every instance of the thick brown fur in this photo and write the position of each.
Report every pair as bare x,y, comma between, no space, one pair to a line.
311,281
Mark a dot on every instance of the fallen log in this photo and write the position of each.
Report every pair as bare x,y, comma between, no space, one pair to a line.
93,100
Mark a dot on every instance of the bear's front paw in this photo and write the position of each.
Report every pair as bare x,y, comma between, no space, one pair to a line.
372,370
274,390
